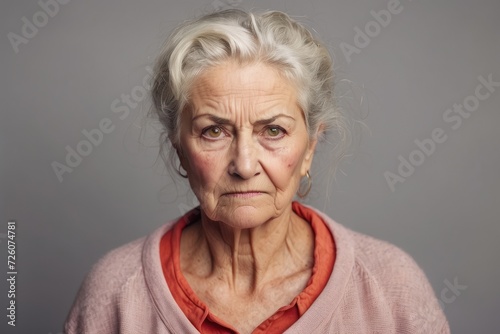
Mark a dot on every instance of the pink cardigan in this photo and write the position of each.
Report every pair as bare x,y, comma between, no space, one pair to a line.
374,288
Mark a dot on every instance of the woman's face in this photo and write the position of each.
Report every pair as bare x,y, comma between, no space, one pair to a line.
244,144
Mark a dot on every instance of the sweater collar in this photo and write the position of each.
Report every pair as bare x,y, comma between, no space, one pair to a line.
313,320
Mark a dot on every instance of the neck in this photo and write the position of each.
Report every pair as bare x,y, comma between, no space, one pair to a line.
246,259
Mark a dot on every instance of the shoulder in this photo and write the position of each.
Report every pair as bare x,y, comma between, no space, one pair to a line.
402,283
114,270
391,267
101,287
384,259
372,255
387,280
376,258
114,285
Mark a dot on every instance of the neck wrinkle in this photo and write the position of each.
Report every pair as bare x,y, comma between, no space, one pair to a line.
245,258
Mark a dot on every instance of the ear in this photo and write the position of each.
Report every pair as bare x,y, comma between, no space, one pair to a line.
309,154
181,157
308,157
179,151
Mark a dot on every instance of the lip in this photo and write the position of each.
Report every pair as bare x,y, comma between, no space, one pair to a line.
244,194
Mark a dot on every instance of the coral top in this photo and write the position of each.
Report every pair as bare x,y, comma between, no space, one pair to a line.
199,314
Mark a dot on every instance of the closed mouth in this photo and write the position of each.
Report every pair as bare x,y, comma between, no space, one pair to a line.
244,194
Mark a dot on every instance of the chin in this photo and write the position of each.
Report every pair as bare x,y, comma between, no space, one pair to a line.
244,216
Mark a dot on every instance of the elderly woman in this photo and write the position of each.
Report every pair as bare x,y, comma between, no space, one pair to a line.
243,99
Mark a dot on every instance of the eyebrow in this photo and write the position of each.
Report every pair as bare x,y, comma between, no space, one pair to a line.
221,120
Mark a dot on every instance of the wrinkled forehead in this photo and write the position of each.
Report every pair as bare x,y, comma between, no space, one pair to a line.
234,90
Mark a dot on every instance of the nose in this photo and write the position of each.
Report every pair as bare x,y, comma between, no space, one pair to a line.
244,162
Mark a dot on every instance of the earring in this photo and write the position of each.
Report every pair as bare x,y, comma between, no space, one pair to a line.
303,194
180,173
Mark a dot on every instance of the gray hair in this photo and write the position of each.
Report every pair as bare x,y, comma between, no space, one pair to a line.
272,38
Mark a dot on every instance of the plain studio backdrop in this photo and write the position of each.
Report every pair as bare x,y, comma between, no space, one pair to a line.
78,172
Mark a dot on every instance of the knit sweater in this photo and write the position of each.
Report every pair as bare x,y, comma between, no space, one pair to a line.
374,288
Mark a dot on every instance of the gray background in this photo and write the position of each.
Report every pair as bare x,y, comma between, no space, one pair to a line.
65,79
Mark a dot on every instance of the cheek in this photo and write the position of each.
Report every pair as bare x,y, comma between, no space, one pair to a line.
205,168
286,166
291,162
292,157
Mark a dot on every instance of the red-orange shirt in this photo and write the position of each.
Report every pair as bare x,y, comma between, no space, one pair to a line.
199,314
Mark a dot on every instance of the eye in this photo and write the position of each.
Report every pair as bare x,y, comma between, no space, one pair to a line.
274,131
212,132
